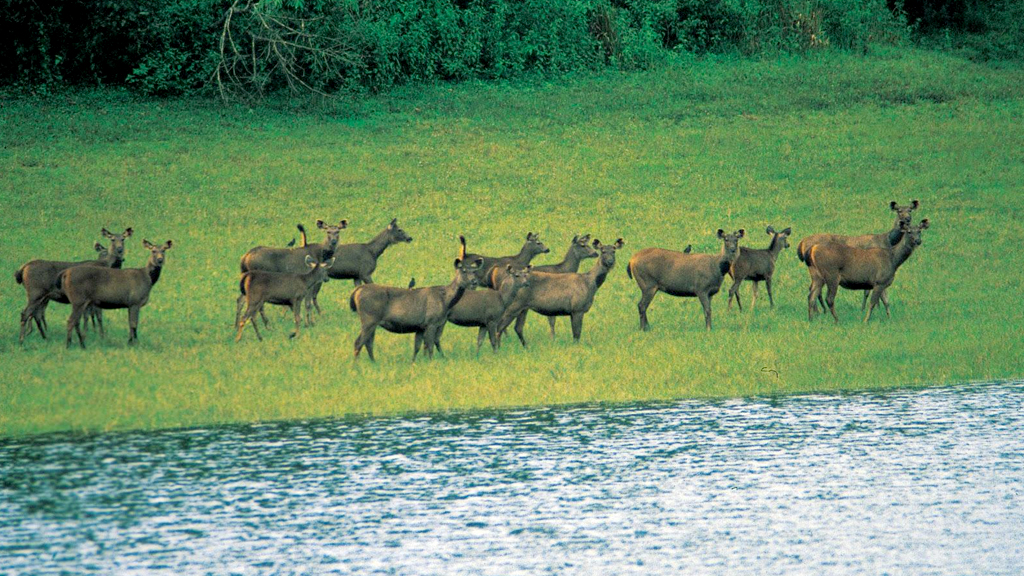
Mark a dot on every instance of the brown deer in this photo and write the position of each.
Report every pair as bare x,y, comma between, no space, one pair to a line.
420,311
579,250
569,294
484,308
259,288
685,275
532,247
870,269
757,265
40,279
111,288
884,240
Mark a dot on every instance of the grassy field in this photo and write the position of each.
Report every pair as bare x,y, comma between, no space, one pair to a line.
663,158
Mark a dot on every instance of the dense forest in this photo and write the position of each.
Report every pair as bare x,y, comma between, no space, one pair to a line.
245,49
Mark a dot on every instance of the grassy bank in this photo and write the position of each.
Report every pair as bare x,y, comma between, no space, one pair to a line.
661,158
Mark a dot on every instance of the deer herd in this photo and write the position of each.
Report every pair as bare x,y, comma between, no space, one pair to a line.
487,292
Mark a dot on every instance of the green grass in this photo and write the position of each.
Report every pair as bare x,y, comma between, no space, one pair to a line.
662,158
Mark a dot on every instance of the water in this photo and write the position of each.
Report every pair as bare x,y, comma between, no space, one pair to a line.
923,482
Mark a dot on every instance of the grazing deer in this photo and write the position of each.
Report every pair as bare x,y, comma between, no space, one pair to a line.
484,308
579,250
111,288
41,287
871,269
757,265
532,247
420,311
280,289
685,275
885,240
567,294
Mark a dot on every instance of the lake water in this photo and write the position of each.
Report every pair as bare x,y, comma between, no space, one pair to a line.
919,482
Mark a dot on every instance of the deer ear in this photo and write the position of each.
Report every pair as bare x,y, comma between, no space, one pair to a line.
343,224
925,224
770,230
329,263
394,222
477,263
310,262
458,262
98,247
595,243
106,234
168,244
528,268
741,233
575,238
619,243
147,245
892,205
128,232
508,268
914,204
320,224
787,231
721,233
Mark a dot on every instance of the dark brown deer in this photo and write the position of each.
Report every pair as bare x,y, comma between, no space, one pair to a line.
870,269
259,288
532,247
484,308
40,279
685,275
568,294
884,240
757,265
419,311
357,262
579,250
110,288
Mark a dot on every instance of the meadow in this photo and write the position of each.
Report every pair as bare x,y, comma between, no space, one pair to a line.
661,158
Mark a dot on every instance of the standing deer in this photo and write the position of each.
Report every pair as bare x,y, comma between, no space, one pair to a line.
757,265
420,311
872,269
111,288
885,240
280,289
40,279
484,308
579,250
569,294
685,275
532,247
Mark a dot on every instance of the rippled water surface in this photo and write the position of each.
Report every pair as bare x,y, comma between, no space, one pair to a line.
924,482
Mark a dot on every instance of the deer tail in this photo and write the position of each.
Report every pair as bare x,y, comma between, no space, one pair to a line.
352,299
629,270
462,247
800,252
19,276
241,283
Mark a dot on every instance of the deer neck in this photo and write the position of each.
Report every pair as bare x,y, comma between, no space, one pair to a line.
507,291
153,271
571,262
379,243
599,273
775,247
895,235
451,294
524,256
902,251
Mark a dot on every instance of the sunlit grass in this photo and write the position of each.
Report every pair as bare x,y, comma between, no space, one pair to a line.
662,158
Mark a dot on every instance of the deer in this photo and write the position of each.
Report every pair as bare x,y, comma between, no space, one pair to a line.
872,269
357,262
532,247
292,260
757,265
39,277
568,294
112,288
484,308
883,240
259,288
684,275
419,311
579,250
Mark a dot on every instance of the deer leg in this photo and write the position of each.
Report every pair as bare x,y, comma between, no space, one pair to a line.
705,301
417,342
437,340
133,324
27,316
551,323
885,302
297,311
520,323
876,294
753,299
577,326
40,315
768,287
833,289
492,334
734,292
97,315
645,301
864,303
76,313
480,338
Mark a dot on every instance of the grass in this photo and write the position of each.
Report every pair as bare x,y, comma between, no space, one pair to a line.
660,158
